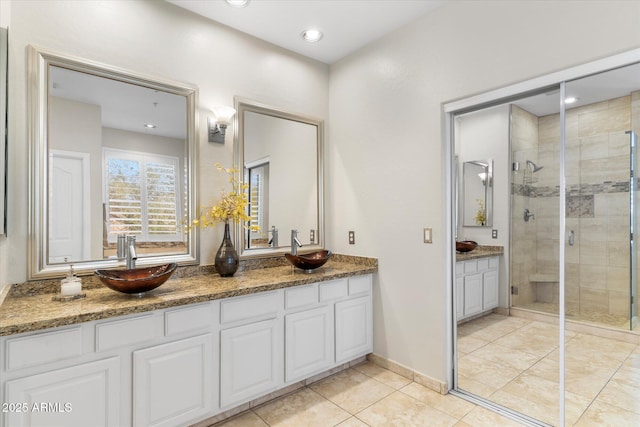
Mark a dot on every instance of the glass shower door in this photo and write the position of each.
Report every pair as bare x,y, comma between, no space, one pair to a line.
634,221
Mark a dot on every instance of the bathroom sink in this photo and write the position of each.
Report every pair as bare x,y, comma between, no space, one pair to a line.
310,261
466,246
136,280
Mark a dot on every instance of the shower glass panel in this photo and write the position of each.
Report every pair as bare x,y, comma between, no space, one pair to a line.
601,203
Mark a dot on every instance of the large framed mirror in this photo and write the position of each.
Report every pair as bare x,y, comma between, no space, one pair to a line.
280,154
477,193
3,127
113,152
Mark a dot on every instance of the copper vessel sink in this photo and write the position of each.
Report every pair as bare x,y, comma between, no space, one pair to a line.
136,280
466,246
310,261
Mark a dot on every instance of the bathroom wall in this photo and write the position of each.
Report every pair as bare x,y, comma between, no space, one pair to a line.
483,135
386,170
162,40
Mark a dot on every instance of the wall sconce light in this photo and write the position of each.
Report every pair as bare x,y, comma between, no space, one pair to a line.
217,126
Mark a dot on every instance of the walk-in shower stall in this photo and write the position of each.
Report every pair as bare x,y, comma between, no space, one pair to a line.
601,204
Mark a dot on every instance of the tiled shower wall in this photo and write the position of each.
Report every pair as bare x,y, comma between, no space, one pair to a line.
597,208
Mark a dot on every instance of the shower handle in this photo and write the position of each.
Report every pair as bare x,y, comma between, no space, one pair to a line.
528,215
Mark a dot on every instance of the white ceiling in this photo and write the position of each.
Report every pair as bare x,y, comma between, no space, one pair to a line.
348,25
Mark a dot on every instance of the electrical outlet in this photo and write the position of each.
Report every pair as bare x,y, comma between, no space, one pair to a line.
352,237
312,236
494,234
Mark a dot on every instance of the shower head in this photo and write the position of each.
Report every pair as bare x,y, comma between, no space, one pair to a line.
534,168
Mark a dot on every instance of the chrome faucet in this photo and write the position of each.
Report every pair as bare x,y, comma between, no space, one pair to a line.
295,243
274,237
132,256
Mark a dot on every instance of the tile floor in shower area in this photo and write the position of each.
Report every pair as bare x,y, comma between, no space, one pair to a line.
510,360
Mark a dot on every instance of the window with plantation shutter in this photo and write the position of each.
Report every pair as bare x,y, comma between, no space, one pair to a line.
142,196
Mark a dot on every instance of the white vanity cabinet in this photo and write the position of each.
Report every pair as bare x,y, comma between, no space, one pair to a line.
179,366
476,286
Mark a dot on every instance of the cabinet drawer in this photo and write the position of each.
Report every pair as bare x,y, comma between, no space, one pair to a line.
301,296
494,262
359,285
483,264
459,269
125,332
249,307
188,319
470,267
43,348
333,290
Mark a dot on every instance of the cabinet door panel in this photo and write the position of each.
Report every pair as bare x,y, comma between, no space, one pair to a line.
354,328
83,395
173,383
490,291
308,342
472,294
249,362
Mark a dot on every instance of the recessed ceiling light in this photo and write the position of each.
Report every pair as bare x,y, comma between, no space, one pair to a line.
150,126
570,99
238,3
311,35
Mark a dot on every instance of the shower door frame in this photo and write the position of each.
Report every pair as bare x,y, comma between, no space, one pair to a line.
477,102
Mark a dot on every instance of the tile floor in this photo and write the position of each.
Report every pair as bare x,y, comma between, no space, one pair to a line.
510,360
367,395
514,362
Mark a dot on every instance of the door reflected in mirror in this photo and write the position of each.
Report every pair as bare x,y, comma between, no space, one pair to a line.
280,154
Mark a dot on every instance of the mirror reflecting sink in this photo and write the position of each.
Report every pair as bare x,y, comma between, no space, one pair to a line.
136,280
310,261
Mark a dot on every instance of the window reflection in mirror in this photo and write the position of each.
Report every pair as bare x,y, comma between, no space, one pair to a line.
280,154
113,154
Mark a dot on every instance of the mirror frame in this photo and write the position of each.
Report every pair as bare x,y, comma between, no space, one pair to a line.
38,265
243,105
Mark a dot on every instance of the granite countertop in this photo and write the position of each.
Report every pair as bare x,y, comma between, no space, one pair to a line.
27,312
480,251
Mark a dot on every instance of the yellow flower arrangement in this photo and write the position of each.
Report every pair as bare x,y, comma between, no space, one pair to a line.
480,213
231,206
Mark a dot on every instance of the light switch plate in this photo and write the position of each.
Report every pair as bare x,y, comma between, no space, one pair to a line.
427,235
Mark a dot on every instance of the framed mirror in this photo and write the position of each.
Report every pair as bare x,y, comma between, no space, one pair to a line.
113,152
477,193
280,155
3,128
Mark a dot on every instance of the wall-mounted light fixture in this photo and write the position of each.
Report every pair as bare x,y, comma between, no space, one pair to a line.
218,125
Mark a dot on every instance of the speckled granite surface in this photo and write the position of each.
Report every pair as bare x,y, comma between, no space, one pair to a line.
480,252
26,310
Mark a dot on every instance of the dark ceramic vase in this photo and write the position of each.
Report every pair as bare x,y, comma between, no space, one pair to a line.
227,257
